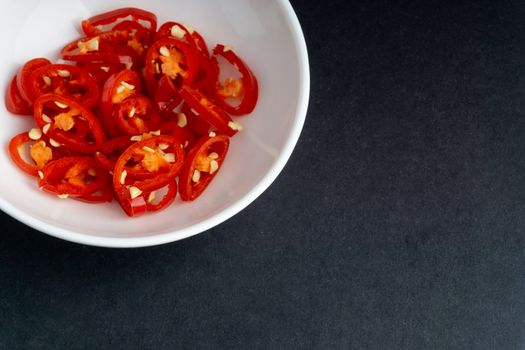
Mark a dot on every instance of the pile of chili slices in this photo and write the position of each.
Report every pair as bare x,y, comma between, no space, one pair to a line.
136,111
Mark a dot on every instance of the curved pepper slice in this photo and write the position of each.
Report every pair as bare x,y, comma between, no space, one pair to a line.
170,57
117,88
136,115
62,79
23,80
153,203
209,111
14,102
202,164
246,88
108,47
73,176
160,155
108,20
68,123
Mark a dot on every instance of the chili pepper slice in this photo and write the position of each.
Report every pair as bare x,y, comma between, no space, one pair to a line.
161,155
101,71
62,79
202,163
23,80
14,101
166,96
107,47
245,89
68,123
32,158
117,88
139,40
197,124
170,57
183,32
181,131
210,112
103,195
108,20
75,176
136,115
155,204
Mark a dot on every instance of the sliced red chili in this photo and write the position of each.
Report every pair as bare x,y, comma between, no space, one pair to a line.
107,47
166,96
101,71
76,176
108,20
197,124
183,133
160,155
170,57
117,88
103,195
14,102
202,164
28,154
139,38
245,89
207,110
66,80
183,32
68,123
167,196
136,115
208,75
23,80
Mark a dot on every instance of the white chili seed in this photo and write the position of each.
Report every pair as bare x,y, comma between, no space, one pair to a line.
196,176
182,121
134,192
123,177
35,134
213,166
45,129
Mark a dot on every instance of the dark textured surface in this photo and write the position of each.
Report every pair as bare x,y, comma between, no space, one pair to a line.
397,224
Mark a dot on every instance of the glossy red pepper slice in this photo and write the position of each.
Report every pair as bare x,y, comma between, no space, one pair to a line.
202,164
173,58
73,176
69,81
161,155
68,123
111,150
14,102
117,88
23,80
108,47
209,111
197,124
103,195
183,133
136,115
101,71
108,20
246,88
166,95
167,196
139,38
183,32
32,158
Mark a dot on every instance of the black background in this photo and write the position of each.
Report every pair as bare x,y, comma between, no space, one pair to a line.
396,224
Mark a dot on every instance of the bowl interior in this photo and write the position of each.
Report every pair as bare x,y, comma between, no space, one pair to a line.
265,33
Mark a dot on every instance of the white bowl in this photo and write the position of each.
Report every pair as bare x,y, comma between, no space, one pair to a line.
266,33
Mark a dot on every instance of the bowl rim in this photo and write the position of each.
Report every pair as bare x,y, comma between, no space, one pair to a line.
249,197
